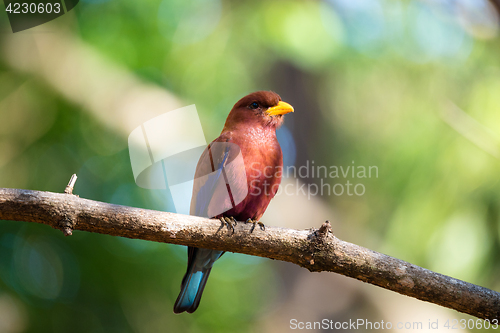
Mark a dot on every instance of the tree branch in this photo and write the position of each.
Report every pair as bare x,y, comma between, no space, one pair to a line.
315,249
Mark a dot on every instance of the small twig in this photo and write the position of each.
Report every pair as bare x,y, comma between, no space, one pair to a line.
67,223
324,230
67,227
317,240
71,184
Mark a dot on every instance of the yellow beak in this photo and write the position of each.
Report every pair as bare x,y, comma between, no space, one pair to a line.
281,108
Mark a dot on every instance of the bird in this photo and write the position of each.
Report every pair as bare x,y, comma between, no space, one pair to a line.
249,132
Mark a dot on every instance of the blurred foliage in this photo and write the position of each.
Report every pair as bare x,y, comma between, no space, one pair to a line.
381,74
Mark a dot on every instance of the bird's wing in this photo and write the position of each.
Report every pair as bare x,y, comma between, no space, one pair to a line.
209,178
209,183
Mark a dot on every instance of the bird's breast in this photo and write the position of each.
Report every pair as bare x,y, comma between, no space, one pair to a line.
263,167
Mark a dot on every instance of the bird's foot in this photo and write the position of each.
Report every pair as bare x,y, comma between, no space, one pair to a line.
230,222
255,222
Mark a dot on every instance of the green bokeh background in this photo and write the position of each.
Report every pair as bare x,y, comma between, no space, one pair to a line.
371,82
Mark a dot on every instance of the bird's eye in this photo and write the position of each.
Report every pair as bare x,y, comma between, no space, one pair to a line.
254,105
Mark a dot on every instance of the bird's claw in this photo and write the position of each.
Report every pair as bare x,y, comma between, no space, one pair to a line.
255,222
230,222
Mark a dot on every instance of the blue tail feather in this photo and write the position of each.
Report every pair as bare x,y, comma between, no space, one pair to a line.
200,263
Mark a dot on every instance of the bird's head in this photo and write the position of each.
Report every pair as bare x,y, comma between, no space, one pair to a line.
261,108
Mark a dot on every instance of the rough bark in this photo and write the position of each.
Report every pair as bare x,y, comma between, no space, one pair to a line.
315,249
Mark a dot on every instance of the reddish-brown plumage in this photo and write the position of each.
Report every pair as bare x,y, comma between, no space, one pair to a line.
254,131
220,187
